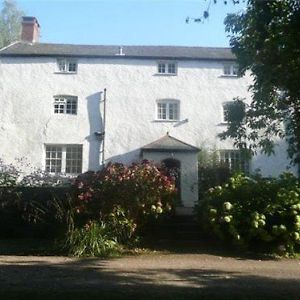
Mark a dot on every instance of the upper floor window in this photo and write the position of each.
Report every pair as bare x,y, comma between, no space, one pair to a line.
226,110
235,160
230,70
66,65
64,159
64,104
168,110
167,68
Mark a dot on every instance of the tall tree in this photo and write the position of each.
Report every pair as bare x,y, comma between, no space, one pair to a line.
266,41
10,23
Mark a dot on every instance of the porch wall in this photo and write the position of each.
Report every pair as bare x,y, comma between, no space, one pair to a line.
188,176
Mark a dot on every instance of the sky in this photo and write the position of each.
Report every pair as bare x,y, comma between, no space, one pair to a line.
130,22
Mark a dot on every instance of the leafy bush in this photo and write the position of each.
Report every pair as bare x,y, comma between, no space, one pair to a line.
141,190
210,171
93,239
96,215
121,228
253,212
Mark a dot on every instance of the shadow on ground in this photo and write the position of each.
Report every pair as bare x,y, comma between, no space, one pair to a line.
102,279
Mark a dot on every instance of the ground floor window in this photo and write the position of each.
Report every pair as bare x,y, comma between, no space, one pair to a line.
64,159
235,160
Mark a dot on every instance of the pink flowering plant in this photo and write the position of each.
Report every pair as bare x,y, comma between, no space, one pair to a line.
141,190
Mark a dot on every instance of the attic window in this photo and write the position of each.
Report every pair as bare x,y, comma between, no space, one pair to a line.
67,65
230,70
167,68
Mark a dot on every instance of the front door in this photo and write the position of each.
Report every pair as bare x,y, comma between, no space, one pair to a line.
173,169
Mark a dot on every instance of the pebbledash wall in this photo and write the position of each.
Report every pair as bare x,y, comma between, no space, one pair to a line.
133,86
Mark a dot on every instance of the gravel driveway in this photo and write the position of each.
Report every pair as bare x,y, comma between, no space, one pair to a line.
161,273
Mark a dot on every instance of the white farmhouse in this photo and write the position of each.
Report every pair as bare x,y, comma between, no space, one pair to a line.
71,108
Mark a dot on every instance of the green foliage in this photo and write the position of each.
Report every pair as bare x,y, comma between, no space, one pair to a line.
265,39
100,212
93,239
254,212
10,23
210,171
141,190
121,228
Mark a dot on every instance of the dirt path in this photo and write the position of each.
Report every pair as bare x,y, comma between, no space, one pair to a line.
186,273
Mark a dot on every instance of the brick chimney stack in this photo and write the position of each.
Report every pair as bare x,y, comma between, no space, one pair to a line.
30,30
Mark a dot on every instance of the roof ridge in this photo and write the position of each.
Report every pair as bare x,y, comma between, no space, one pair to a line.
161,144
123,45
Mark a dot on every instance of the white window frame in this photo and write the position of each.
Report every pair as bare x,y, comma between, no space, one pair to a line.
64,105
225,106
230,70
63,158
167,68
235,160
64,65
169,108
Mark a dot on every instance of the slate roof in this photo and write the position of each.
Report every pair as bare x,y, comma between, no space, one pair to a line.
169,143
162,52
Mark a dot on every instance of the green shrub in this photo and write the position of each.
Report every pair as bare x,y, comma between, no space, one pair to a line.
140,190
96,215
210,171
93,239
255,213
121,228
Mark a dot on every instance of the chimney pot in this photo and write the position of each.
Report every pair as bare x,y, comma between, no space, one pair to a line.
30,30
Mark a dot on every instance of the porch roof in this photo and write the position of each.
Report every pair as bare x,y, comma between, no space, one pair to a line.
169,143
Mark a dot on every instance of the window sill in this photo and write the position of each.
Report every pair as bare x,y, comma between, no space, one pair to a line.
65,73
65,115
165,74
63,175
166,121
229,76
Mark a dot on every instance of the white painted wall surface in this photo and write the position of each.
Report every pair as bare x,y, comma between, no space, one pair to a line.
27,120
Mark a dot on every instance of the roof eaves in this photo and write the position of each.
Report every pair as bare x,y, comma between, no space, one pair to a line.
116,56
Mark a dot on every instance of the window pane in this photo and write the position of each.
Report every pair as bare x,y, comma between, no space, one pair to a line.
161,68
53,159
226,110
162,111
61,65
74,159
171,68
235,70
227,69
173,111
72,66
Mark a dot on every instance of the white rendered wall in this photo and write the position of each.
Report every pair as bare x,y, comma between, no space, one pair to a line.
27,121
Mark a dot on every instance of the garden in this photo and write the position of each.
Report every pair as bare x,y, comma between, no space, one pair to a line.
110,212
102,213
